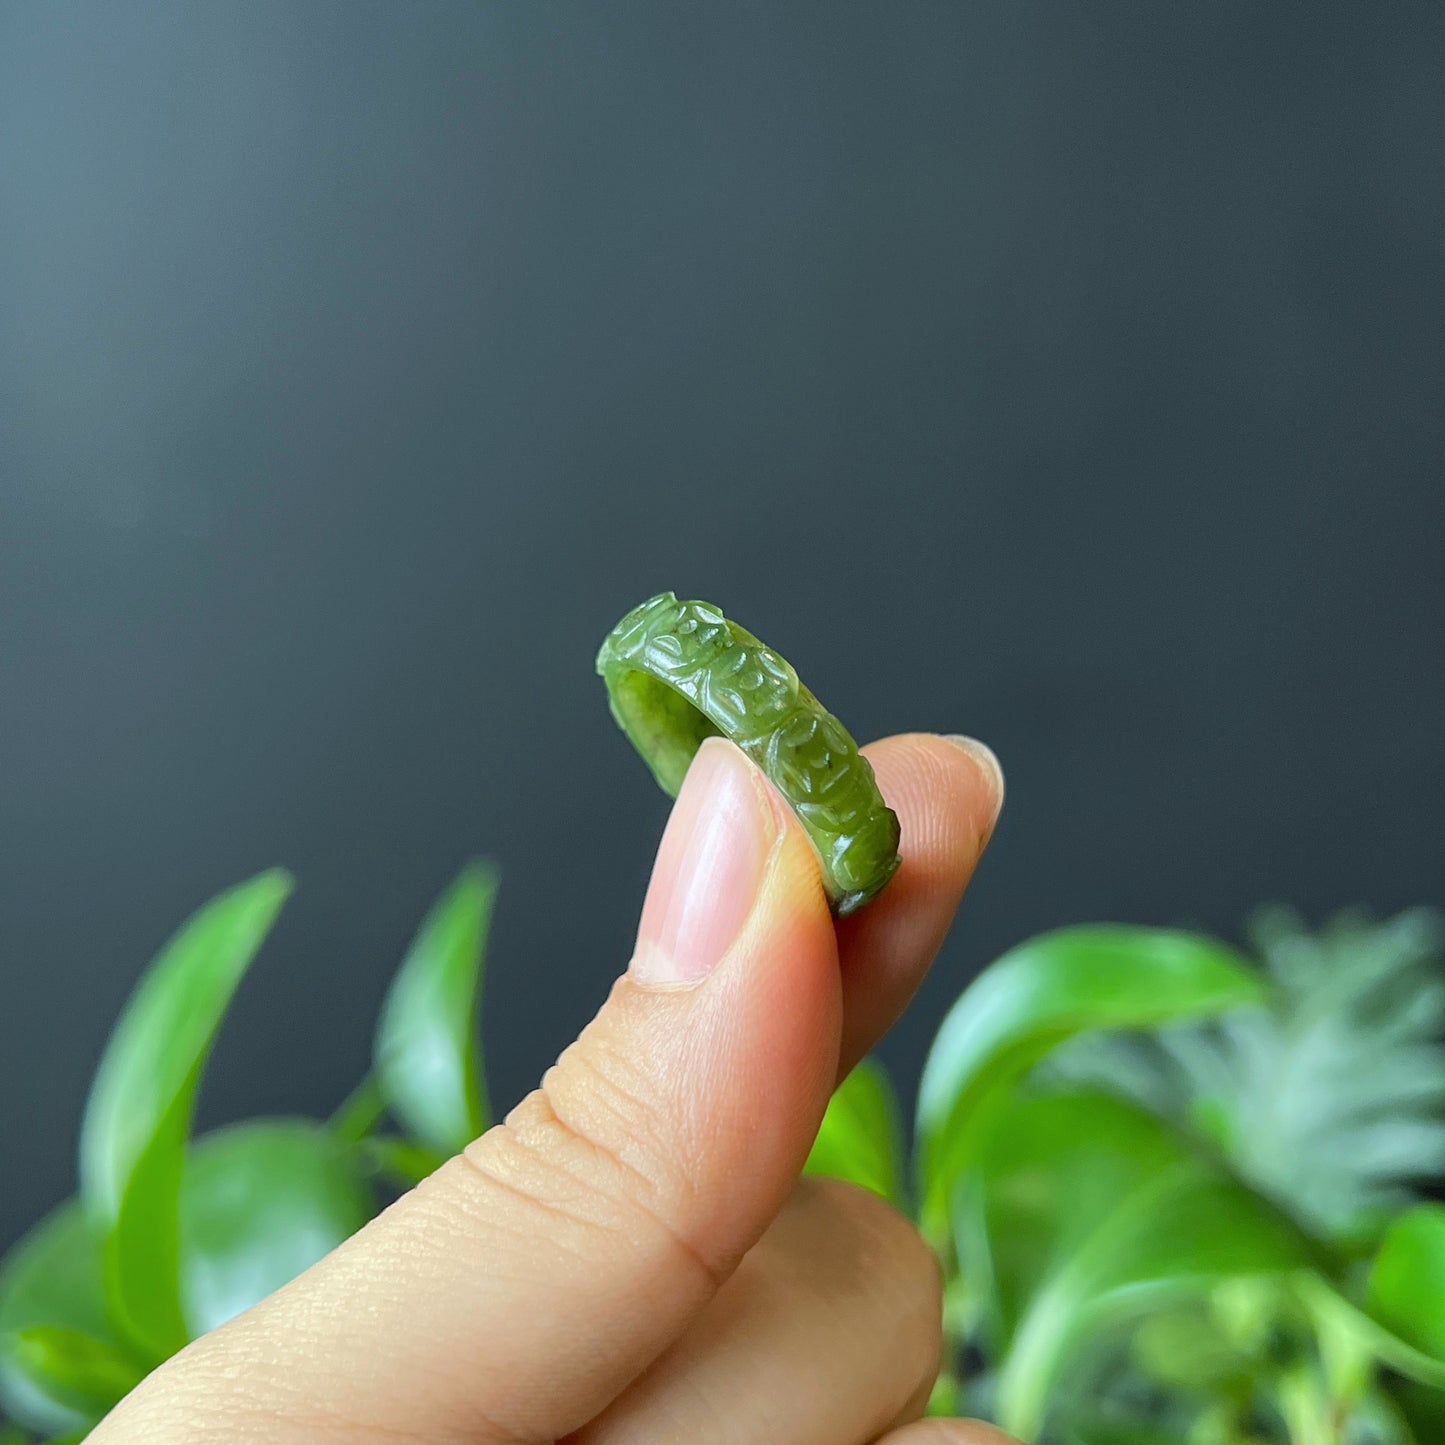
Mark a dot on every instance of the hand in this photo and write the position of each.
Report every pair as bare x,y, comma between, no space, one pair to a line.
631,1256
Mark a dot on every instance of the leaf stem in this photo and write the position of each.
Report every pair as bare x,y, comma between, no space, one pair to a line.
360,1112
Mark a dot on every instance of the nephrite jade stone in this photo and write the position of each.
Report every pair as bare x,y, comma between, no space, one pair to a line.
679,672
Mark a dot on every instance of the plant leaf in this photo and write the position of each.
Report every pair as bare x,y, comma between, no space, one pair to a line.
1331,1098
139,1112
87,1374
1407,1283
427,1057
1093,1212
53,1278
1039,994
860,1136
260,1203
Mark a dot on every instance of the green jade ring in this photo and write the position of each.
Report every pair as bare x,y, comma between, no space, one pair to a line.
680,672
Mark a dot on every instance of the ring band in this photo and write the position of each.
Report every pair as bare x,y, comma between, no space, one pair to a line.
680,672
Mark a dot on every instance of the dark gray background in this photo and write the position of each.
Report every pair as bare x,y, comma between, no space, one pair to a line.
1068,374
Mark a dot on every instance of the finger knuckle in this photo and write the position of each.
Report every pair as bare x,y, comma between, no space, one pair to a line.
589,1150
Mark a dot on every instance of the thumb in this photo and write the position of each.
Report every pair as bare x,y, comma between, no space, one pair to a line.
517,1291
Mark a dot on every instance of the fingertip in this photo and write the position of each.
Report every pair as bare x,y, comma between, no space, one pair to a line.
989,767
948,792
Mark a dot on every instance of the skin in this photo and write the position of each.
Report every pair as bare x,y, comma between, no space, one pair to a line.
631,1256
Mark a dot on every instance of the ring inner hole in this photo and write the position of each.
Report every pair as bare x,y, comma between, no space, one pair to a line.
663,725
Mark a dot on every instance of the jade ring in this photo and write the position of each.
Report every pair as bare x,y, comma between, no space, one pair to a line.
680,672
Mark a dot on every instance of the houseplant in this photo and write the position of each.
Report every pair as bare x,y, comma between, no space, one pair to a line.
1174,1191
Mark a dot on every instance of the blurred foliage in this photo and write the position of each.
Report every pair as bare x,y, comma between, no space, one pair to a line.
171,1235
1180,1197
1329,1096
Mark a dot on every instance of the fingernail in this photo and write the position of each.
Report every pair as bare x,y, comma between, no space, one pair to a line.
708,870
988,761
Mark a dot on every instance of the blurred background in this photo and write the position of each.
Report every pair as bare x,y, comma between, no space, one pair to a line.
1070,375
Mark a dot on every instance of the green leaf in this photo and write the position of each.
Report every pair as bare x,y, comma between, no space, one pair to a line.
860,1136
1093,1213
1331,1097
260,1203
87,1374
945,1399
1407,1283
140,1107
427,1057
54,1278
1038,995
